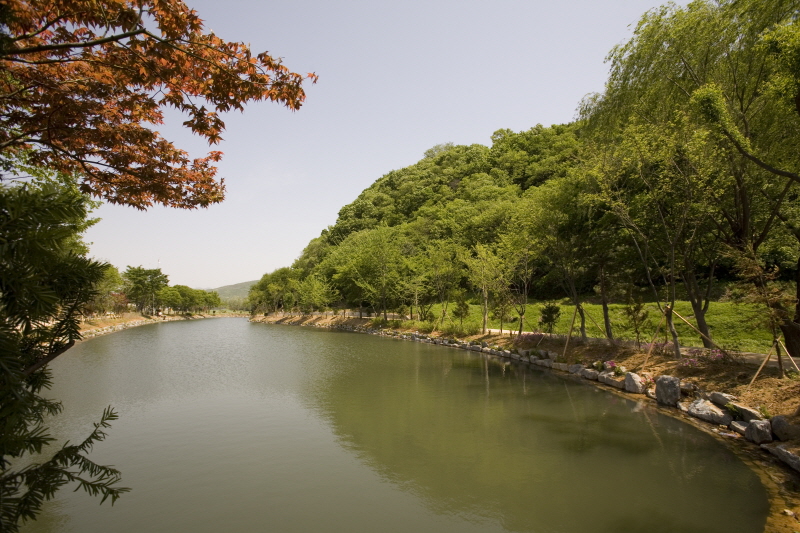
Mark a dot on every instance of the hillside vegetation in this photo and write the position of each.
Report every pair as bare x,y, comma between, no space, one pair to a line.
672,192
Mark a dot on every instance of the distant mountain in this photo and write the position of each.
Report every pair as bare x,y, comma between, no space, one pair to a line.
237,290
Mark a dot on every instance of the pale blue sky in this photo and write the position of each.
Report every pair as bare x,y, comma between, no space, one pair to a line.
396,78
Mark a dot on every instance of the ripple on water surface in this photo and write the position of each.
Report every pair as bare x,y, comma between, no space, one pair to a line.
227,425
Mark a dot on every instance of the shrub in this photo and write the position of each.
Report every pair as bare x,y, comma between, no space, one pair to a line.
550,314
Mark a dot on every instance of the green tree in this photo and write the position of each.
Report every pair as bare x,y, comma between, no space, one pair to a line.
170,297
44,288
142,286
108,290
486,273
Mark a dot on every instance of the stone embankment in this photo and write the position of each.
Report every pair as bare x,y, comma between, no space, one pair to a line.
90,332
729,418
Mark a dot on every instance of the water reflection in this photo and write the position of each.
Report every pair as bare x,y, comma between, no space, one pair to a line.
242,427
478,436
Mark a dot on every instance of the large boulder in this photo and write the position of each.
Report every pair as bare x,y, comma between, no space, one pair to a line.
705,410
748,414
575,369
720,398
634,383
758,431
786,452
739,427
609,378
668,390
785,430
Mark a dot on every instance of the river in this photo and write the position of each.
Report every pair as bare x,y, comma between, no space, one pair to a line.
230,426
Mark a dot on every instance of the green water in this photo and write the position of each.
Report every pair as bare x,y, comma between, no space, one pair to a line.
231,426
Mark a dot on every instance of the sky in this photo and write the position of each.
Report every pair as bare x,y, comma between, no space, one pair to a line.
395,79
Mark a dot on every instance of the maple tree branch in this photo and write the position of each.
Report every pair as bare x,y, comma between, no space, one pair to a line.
86,44
39,31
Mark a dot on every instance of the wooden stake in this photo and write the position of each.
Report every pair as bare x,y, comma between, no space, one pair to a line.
569,335
701,334
762,365
663,317
789,356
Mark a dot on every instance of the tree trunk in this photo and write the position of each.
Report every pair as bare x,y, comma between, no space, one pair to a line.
699,308
791,336
583,322
485,310
676,348
604,301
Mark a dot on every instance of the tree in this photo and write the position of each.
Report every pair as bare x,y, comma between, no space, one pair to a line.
170,297
108,292
366,267
728,67
142,286
485,272
45,285
84,81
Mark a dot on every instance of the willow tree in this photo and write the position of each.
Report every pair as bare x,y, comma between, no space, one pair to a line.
711,61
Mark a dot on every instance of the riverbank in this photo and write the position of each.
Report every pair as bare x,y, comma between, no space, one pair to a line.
95,327
711,393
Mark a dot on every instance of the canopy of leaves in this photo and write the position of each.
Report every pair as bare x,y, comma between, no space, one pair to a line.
83,83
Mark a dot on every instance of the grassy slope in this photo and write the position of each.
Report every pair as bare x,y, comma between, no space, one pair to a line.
733,326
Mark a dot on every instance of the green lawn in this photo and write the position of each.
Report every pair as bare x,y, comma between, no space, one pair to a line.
733,326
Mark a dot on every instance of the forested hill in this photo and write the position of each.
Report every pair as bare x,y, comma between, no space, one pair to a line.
681,172
237,290
471,178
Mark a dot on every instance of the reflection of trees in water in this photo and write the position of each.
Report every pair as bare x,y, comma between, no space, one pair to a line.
475,436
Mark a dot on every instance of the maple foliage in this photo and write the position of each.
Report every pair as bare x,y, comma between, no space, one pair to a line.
83,83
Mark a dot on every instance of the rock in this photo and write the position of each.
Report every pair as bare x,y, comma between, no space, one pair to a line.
533,359
515,356
650,393
668,390
575,369
705,410
634,383
683,407
720,398
738,426
758,431
787,512
525,353
786,452
564,367
609,378
588,373
484,344
783,429
688,388
552,355
547,363
748,414
486,349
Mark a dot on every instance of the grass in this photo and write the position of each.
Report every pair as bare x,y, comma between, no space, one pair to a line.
733,326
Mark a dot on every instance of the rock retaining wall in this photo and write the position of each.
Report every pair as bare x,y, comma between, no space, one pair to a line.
96,332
